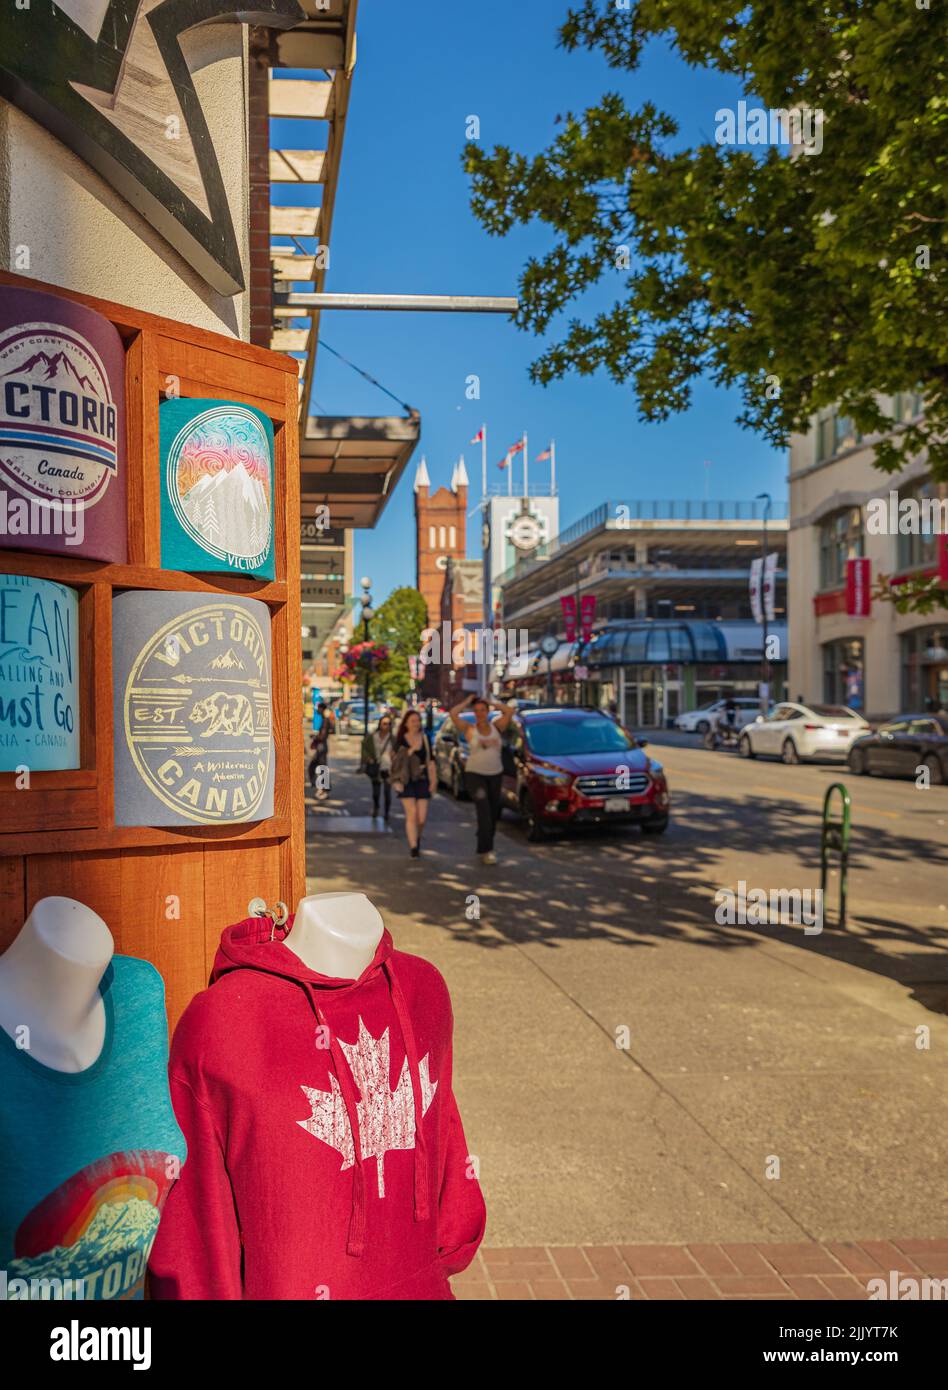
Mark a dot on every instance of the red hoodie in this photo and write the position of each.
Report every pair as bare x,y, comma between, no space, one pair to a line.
273,1069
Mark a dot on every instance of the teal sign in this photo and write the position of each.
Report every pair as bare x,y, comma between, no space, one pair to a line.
217,488
39,678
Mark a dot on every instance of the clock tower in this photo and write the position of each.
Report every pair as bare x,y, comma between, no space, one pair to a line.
440,534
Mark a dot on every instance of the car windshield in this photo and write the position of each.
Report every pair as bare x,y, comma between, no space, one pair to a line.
593,733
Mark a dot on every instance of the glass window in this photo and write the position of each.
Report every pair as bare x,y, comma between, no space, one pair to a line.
925,669
841,539
923,726
919,548
898,727
844,673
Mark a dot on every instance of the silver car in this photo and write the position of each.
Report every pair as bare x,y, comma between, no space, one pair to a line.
798,733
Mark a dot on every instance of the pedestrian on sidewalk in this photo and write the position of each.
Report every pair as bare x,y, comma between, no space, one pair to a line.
319,745
376,763
414,776
484,768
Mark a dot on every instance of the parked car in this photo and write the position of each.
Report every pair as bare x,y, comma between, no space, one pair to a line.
903,745
699,721
450,752
796,733
572,766
355,720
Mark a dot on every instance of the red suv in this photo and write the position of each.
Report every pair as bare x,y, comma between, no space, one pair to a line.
566,765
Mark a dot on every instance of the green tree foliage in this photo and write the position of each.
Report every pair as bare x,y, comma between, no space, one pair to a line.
399,623
803,281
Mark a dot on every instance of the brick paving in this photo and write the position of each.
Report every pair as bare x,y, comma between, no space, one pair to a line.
801,1270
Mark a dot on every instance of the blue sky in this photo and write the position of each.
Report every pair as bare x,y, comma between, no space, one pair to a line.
403,224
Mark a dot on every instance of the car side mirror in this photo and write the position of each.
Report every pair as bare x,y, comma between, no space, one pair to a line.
642,742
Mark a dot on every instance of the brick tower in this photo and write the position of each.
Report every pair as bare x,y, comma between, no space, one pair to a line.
440,532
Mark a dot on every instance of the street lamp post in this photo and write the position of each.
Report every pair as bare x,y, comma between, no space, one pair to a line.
765,659
367,616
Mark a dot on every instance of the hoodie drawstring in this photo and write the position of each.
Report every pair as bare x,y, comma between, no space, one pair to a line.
411,1052
355,1242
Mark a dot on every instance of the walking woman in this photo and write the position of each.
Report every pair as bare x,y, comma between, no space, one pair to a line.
414,776
377,751
483,770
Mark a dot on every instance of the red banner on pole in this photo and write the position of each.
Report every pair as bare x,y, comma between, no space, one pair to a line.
943,559
587,616
858,599
569,617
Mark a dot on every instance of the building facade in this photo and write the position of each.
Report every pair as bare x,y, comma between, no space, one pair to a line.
673,623
846,648
440,534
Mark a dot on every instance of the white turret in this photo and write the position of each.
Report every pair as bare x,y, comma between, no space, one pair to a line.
421,475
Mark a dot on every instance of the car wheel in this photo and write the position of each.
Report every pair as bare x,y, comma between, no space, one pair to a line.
857,762
531,820
655,827
702,726
936,771
789,752
745,747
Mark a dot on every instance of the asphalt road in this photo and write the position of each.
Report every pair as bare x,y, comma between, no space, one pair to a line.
630,1070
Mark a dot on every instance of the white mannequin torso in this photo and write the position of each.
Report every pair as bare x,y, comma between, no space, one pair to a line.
49,983
335,934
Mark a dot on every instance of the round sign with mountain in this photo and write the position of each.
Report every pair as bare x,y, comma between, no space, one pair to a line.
217,500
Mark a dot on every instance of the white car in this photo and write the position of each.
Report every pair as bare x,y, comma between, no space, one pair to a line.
795,733
699,721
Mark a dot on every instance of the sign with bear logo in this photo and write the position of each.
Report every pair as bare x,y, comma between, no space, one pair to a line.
62,428
193,735
217,487
39,677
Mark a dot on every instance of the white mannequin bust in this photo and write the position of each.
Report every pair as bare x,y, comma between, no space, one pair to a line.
49,982
335,934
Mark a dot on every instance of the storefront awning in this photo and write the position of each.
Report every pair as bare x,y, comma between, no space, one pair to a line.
352,464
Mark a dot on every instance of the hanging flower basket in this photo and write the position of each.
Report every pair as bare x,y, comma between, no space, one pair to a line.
365,657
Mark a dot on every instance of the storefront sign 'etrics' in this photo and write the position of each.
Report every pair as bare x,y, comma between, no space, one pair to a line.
105,78
193,739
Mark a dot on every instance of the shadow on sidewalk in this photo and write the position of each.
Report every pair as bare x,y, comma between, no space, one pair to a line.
622,888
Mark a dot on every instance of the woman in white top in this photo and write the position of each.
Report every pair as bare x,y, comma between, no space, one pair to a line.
484,767
377,750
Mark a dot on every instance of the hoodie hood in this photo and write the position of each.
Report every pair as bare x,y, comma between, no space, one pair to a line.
257,944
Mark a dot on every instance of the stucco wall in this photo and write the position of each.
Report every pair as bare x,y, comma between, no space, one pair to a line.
849,480
82,235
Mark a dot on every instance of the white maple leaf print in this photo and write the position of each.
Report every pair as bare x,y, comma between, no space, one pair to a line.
386,1118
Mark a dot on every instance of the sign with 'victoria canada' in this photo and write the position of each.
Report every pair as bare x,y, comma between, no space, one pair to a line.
39,679
193,737
62,428
217,487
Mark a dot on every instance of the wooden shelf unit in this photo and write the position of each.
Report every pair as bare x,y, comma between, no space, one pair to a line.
58,836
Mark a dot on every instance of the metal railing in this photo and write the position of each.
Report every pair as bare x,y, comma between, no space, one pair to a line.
619,514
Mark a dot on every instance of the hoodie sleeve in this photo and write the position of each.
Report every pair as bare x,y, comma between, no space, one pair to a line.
197,1252
462,1214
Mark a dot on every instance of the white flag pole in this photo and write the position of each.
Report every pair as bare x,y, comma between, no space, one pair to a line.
552,467
484,458
509,474
526,466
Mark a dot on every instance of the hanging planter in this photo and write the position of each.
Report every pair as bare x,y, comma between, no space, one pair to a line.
365,658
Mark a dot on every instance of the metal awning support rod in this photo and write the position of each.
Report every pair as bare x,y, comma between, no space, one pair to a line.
423,303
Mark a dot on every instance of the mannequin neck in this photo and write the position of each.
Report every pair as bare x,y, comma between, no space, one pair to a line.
49,982
335,934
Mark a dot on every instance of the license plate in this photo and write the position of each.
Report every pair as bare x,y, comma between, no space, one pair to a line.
615,803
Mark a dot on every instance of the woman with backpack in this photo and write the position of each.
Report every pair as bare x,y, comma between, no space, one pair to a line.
376,762
414,776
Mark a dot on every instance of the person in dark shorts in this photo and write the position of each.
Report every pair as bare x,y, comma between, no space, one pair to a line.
414,776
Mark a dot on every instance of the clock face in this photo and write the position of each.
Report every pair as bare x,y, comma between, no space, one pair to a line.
525,532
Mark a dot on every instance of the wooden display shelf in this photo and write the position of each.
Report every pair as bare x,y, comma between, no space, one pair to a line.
59,835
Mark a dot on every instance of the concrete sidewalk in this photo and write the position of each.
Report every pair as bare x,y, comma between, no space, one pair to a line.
628,1071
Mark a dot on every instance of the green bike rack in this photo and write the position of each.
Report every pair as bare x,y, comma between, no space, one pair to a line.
835,838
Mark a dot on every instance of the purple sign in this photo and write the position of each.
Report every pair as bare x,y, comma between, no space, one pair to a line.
62,428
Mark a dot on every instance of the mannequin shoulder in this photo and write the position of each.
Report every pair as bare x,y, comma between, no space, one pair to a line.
137,982
418,975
